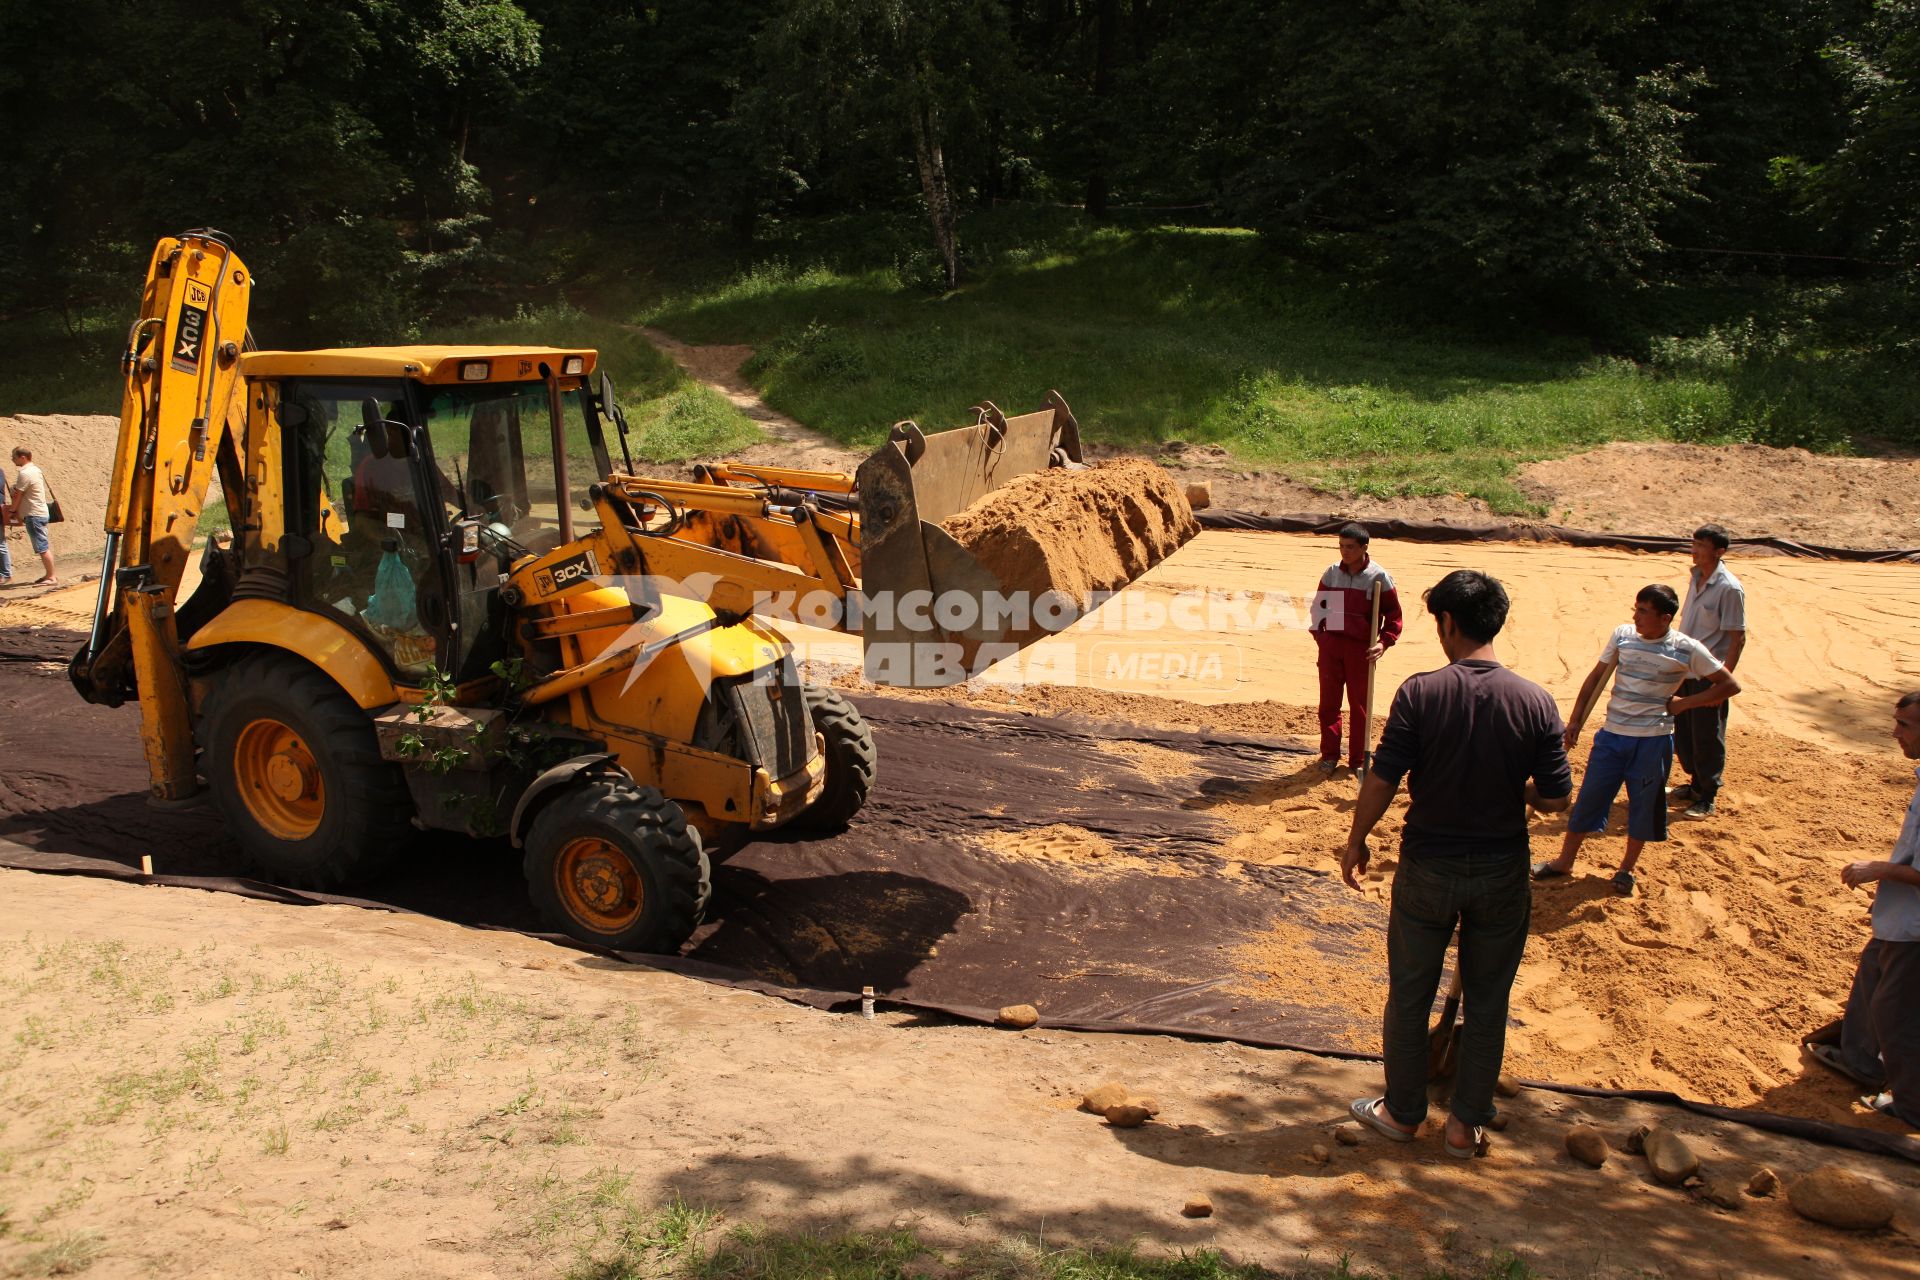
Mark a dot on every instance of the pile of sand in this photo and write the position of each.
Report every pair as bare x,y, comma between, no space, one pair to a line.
1077,532
1741,940
76,454
1753,490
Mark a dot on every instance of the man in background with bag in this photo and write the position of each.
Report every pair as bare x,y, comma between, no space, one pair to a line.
33,501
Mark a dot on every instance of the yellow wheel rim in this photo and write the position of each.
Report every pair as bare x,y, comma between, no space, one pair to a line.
279,779
598,884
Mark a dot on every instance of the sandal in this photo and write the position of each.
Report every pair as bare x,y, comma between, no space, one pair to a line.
1474,1148
1883,1103
1362,1109
1623,883
1830,1057
1547,871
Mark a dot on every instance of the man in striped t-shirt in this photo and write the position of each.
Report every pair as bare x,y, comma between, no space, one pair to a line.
1635,745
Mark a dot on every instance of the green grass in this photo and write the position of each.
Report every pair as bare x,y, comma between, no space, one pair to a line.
687,1245
1197,334
671,417
1207,335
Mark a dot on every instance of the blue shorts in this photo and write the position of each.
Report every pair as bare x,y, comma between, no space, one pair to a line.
1641,763
36,533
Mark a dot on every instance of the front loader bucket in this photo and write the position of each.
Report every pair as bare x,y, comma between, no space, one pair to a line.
934,611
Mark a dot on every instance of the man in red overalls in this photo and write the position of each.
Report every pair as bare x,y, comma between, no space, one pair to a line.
1341,618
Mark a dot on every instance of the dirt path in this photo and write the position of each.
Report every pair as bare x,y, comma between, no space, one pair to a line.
196,1084
789,444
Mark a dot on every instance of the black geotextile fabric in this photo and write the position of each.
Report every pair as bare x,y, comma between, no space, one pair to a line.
1440,531
905,901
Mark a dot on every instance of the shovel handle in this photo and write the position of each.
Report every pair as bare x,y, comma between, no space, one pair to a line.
1373,669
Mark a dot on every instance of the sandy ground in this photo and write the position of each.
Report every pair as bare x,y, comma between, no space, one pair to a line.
1830,644
202,1085
1754,490
328,1092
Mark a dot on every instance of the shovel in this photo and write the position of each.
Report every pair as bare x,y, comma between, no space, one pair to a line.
1443,1041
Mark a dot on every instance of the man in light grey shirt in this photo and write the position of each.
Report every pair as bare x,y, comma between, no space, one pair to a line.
1880,1034
1716,615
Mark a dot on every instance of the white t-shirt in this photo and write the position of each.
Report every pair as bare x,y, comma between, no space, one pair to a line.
33,491
1650,672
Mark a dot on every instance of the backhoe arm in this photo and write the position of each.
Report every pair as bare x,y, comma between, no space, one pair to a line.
181,384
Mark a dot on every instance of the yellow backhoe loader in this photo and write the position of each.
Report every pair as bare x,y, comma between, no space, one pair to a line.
442,605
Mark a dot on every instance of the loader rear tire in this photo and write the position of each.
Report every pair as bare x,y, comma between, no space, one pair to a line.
292,765
614,863
851,760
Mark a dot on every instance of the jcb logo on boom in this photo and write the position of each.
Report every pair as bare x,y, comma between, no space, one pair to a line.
569,571
192,333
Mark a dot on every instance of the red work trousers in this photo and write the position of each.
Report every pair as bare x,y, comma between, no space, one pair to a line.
1343,674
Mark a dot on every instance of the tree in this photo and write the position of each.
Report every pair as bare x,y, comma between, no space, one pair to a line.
1870,190
1483,144
917,70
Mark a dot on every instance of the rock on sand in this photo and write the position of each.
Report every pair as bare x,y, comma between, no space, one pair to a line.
1018,1017
1764,1182
1723,1189
1587,1145
1100,1097
1840,1199
1671,1159
1197,1207
1128,1115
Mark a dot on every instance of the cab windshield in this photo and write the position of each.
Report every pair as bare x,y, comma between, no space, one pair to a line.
494,442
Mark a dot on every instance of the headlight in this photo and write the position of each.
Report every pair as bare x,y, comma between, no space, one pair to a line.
574,366
474,370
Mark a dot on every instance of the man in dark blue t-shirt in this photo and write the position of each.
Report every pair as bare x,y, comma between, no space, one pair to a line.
1481,745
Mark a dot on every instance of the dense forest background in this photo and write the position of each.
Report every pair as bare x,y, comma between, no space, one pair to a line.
1722,194
384,160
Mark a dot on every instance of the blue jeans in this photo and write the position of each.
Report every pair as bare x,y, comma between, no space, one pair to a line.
1641,763
1490,896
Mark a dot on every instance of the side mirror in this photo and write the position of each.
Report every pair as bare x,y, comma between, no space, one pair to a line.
610,406
370,415
399,439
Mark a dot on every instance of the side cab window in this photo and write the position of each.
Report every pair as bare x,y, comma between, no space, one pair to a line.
365,547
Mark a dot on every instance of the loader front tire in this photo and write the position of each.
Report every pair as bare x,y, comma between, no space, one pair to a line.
851,760
615,863
292,765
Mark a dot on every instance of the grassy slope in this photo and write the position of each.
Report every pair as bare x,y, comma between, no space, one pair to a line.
1204,335
671,416
1163,333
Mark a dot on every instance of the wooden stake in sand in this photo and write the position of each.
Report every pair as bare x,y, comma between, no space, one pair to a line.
1373,670
146,864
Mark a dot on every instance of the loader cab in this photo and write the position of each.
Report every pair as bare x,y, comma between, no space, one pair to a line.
380,471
